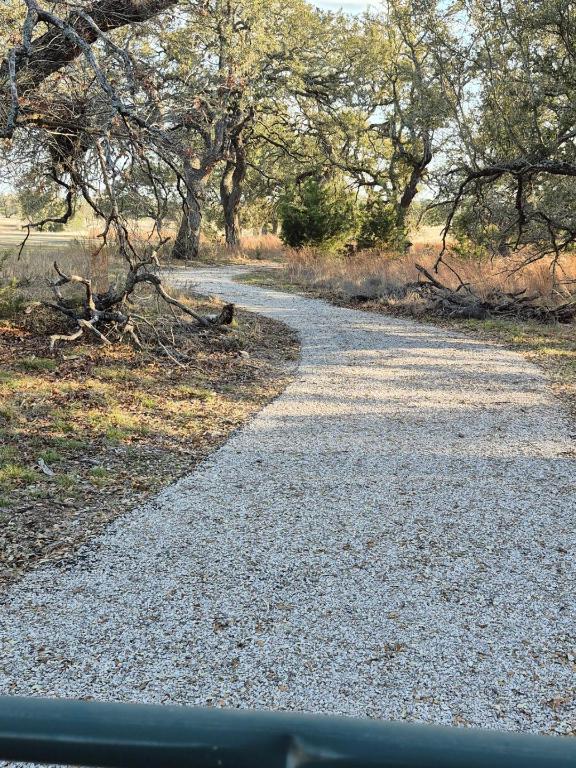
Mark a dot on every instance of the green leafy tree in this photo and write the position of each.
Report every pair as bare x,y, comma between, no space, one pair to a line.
378,228
9,205
226,67
384,123
512,165
318,213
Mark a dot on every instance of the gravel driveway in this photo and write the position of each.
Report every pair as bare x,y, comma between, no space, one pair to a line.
393,537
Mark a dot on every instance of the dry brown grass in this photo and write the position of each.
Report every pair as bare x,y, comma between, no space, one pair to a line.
263,247
74,252
258,249
377,274
75,255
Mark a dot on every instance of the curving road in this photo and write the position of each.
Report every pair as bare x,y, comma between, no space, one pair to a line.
393,537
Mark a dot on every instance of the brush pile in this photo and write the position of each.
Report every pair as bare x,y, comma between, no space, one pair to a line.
464,302
109,316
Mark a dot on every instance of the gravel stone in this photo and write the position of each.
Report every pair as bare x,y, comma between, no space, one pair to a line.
392,537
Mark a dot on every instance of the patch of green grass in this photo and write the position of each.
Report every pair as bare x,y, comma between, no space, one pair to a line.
99,476
116,435
7,454
66,482
50,455
121,432
13,473
147,401
551,340
9,378
115,423
99,472
60,423
115,374
9,413
37,364
268,278
194,393
257,277
68,443
19,383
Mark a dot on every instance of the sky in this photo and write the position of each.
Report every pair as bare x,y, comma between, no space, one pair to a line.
350,6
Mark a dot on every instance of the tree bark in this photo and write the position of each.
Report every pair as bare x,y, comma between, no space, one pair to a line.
419,166
231,193
187,243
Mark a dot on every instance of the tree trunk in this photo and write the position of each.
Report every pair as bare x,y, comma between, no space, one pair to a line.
187,243
231,193
230,207
419,166
232,228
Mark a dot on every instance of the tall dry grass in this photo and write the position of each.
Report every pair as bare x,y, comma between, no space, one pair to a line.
81,254
377,274
260,248
263,247
35,266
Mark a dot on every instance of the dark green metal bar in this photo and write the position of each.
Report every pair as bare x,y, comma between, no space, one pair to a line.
125,735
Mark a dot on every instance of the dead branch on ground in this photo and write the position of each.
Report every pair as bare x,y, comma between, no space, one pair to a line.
107,316
464,302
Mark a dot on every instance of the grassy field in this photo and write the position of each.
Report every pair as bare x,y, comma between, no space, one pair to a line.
12,233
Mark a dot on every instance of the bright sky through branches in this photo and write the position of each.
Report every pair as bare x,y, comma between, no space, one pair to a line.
349,6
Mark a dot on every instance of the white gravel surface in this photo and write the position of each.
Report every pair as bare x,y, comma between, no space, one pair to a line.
393,537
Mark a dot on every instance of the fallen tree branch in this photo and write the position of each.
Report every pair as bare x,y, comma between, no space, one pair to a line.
104,311
468,304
